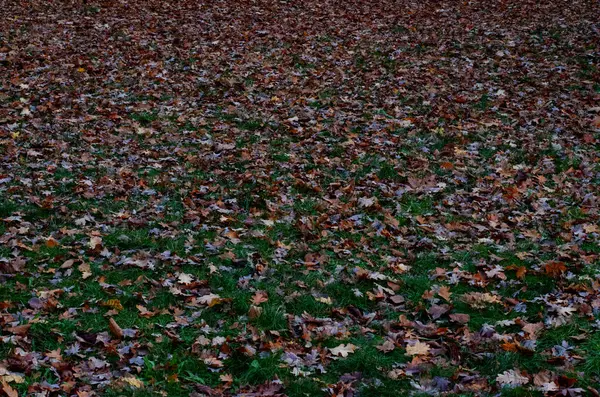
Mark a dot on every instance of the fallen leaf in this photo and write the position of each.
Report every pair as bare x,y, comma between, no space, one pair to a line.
209,299
133,381
386,347
460,318
554,268
51,243
511,378
445,293
343,350
95,243
9,391
115,329
259,297
418,348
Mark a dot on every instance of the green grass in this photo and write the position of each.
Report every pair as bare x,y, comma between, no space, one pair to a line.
467,193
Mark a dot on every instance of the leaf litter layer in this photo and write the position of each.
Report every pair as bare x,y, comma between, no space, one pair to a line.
316,198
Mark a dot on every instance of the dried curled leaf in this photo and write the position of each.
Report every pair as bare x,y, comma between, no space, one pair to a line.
115,329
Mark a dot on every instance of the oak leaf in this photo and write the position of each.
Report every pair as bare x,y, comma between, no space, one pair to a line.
343,350
511,378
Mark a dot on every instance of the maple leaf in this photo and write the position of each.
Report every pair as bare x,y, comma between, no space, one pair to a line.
511,378
521,271
184,278
343,350
417,348
445,293
227,378
54,354
300,135
554,268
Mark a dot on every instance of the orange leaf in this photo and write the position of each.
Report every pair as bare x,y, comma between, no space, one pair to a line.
51,243
555,268
509,347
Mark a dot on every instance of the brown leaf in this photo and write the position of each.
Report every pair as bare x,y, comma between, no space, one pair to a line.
386,347
555,269
445,293
9,391
51,243
255,312
20,330
260,297
95,243
115,329
460,318
437,311
85,270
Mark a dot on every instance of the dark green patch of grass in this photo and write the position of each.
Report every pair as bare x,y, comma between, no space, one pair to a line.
144,118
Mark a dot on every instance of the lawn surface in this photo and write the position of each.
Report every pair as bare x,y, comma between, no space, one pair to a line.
299,198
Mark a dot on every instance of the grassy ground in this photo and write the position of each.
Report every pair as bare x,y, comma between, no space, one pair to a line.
302,199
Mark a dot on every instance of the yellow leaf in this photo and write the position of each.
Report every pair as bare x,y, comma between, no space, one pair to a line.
113,304
9,377
133,381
